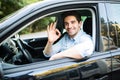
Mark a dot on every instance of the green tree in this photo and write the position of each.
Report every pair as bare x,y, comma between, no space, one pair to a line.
9,6
39,25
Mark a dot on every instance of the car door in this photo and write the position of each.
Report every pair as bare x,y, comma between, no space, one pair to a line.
114,32
102,44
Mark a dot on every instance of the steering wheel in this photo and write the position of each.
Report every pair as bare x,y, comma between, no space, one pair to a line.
22,48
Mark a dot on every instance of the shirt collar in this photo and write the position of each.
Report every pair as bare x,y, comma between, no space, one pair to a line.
78,35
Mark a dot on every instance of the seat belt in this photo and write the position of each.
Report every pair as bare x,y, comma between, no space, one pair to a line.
60,37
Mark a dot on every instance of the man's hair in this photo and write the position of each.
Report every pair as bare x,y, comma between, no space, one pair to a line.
71,13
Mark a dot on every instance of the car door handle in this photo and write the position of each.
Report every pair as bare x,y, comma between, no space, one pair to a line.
32,40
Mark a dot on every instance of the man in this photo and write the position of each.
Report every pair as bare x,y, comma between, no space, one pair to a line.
75,44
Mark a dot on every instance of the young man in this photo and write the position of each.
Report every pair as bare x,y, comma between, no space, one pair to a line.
75,44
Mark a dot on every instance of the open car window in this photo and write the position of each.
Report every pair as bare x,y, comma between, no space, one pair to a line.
33,38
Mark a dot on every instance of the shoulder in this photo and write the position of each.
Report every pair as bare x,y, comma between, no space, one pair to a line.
85,36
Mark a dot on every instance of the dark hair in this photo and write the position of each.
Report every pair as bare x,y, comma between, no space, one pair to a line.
72,13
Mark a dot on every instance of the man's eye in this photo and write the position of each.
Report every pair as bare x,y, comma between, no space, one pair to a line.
66,24
73,22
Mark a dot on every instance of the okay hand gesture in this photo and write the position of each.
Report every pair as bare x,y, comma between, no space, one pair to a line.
53,33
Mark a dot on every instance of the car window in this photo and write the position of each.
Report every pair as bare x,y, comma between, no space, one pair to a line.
104,29
33,37
109,35
114,32
114,29
38,29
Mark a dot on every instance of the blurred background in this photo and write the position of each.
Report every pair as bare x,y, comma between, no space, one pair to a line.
9,6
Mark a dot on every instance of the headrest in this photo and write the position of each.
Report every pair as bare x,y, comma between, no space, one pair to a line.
87,26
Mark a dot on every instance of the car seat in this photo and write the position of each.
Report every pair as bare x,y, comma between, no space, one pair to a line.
87,26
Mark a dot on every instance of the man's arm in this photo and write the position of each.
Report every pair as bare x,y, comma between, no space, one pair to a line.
70,53
53,35
76,52
48,48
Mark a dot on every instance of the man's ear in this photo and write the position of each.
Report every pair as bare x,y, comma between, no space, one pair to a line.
80,23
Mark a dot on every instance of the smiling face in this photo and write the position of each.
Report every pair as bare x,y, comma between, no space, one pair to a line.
72,25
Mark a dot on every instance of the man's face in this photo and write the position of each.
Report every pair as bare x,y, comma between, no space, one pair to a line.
72,26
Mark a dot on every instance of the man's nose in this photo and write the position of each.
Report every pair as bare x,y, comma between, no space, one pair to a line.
69,25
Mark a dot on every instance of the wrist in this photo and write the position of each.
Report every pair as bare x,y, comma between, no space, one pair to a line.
50,42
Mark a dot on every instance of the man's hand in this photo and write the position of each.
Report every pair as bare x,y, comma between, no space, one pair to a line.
53,33
56,56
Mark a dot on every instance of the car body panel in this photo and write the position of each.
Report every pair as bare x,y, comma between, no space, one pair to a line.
86,69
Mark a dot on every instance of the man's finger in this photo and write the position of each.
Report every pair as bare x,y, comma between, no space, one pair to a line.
50,26
58,32
54,25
